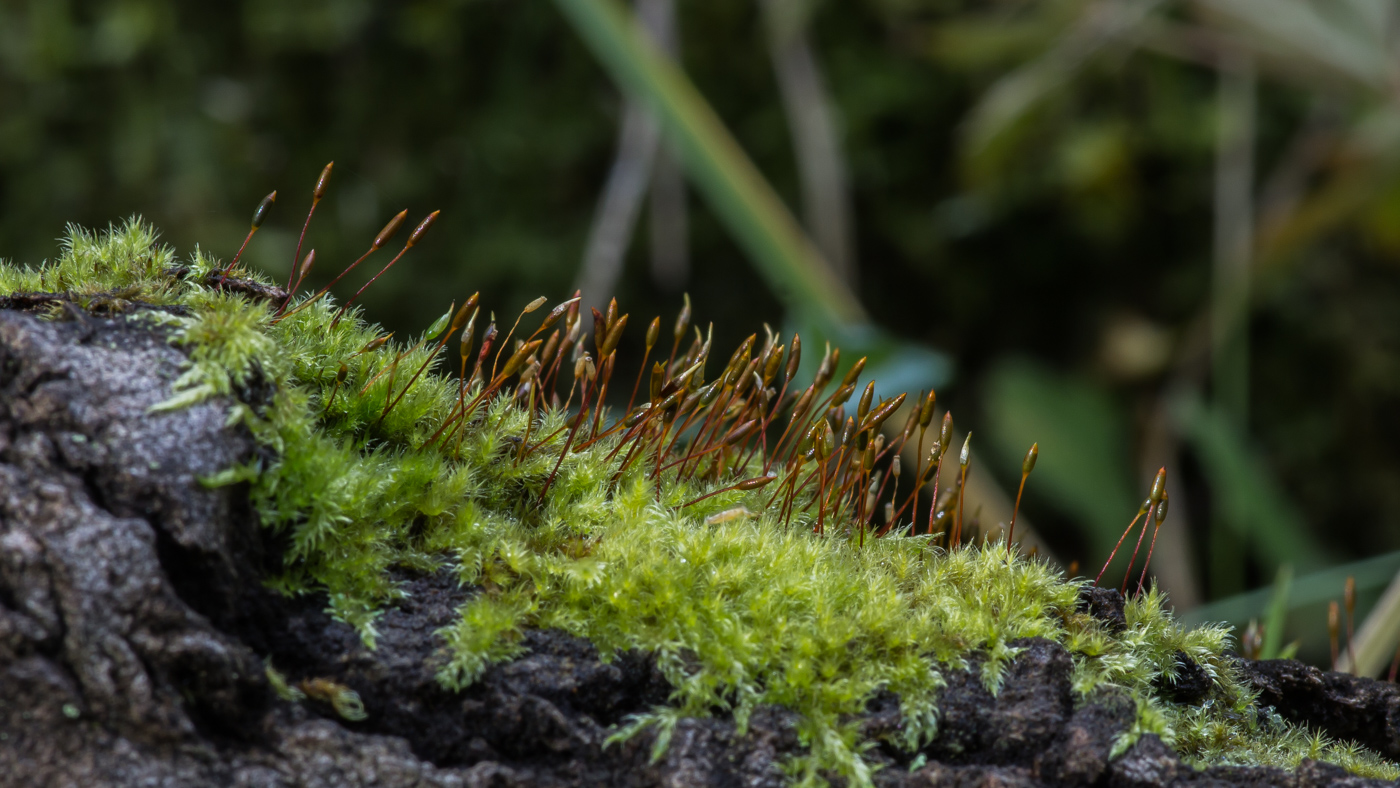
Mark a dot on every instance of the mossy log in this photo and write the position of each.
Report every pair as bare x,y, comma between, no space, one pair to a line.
172,612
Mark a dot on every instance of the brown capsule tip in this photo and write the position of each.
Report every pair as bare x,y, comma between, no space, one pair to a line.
883,412
753,379
848,432
932,465
614,335
670,401
600,328
866,398
825,440
803,402
260,213
464,348
487,340
460,319
558,312
658,380
322,182
550,347
417,234
375,344
688,404
842,394
926,410
1159,484
794,359
306,264
827,366
1028,464
341,373
637,415
775,360
945,432
389,230
741,354
756,482
740,432
1160,514
853,374
966,454
683,319
653,331
518,358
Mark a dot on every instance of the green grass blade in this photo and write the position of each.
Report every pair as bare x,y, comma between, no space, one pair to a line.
1377,636
1316,587
729,181
1278,613
1016,95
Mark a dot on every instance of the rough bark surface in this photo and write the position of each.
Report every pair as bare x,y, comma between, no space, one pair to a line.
134,631
1345,707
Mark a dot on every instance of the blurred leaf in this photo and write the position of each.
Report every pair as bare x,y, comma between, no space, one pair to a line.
1359,186
1018,93
1322,45
734,188
1278,613
789,17
1330,41
1335,40
1320,586
979,43
1083,466
1247,497
1376,638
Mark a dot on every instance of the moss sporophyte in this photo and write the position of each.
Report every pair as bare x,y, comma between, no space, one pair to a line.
744,527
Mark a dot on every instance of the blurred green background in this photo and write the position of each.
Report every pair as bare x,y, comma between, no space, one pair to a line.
1140,233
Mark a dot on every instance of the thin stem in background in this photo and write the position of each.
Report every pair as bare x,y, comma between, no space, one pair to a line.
1229,315
811,120
638,138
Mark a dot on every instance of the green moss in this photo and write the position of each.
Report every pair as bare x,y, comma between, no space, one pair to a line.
738,610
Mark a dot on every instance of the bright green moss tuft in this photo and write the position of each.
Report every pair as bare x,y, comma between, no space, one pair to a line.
738,610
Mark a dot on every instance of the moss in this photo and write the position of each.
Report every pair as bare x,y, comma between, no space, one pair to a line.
739,610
